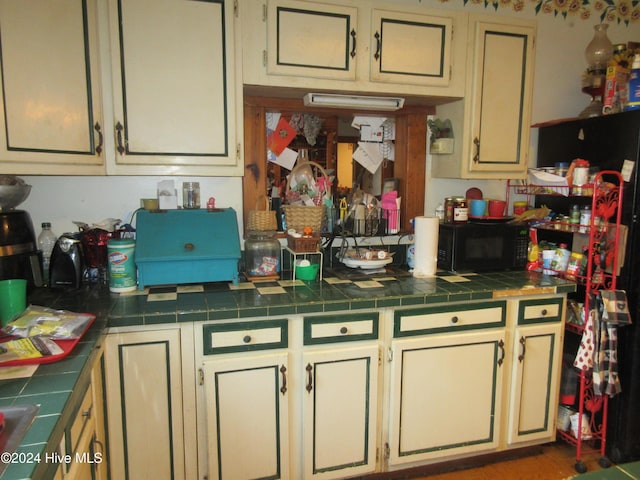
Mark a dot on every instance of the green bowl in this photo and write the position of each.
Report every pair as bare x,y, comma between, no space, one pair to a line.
309,272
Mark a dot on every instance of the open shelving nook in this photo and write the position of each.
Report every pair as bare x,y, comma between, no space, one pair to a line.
602,267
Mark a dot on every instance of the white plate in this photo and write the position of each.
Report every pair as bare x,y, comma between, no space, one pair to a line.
366,264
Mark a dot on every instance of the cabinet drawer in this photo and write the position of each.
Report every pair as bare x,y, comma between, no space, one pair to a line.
79,425
540,310
345,328
244,336
420,321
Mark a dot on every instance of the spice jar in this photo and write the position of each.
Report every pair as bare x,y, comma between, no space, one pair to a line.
262,254
191,195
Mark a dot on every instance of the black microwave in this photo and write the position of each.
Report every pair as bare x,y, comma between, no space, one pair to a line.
482,247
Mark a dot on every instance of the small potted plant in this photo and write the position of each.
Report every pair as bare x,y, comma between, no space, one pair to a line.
441,138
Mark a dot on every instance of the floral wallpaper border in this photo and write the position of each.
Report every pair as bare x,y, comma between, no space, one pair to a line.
607,11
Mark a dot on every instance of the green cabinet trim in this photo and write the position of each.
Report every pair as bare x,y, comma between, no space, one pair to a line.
309,322
208,330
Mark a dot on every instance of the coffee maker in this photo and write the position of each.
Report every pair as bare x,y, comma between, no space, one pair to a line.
19,254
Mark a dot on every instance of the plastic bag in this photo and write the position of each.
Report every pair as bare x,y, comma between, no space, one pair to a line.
56,324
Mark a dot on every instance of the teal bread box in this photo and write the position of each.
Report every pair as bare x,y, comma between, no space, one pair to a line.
187,246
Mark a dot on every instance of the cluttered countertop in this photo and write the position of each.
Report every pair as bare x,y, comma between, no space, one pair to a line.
54,387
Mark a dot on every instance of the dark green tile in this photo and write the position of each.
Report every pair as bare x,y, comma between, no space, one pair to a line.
72,363
460,297
436,298
359,304
50,383
388,302
482,295
50,403
413,300
253,312
40,429
23,470
336,306
12,388
312,307
154,319
126,321
282,310
223,314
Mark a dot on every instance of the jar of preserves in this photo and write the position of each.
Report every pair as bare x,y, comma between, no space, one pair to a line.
460,210
262,255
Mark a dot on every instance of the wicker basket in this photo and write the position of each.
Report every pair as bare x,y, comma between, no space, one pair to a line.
262,220
303,244
299,217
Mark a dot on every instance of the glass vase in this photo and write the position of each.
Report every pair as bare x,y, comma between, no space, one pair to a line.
597,53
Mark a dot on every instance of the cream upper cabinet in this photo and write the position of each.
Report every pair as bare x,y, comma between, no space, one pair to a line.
354,46
175,89
313,40
51,119
427,62
491,124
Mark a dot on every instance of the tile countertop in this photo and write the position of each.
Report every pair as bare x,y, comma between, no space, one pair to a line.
59,385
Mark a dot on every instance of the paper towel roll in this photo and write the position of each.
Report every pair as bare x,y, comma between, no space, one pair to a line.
426,246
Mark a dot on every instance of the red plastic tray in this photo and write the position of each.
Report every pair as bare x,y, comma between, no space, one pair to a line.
66,345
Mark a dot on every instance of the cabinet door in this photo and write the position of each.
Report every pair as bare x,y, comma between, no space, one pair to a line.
311,40
247,414
534,388
501,91
427,62
340,412
445,395
51,120
174,85
144,404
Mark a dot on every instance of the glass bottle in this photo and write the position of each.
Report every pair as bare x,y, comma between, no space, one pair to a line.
600,49
262,254
597,53
46,241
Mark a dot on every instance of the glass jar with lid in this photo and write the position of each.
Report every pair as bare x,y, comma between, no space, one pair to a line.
262,255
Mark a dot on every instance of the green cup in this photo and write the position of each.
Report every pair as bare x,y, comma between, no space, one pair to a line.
13,299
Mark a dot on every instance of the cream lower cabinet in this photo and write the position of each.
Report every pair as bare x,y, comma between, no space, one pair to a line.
244,400
447,374
144,391
340,395
535,366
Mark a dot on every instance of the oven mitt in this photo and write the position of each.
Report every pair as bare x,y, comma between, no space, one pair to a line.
616,309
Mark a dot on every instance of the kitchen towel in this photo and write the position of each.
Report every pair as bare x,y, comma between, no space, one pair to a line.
426,246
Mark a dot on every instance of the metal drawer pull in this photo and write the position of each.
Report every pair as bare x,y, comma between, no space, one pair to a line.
283,371
98,129
454,319
524,349
544,312
343,330
189,247
309,386
502,352
119,142
353,37
378,45
476,155
246,339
